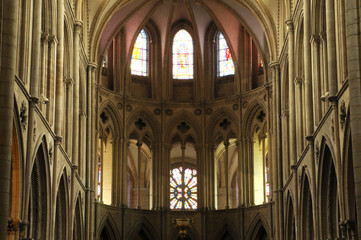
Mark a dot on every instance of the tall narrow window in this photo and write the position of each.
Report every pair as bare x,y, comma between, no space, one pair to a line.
225,62
183,188
140,56
182,55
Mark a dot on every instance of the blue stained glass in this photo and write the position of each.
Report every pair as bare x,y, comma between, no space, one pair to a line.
183,188
225,62
182,55
139,63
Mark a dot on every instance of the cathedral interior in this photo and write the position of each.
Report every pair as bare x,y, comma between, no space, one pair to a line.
180,119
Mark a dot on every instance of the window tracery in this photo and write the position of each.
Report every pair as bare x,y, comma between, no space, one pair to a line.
183,188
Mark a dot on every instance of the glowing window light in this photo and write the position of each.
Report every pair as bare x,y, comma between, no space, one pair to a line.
183,188
225,62
139,63
182,55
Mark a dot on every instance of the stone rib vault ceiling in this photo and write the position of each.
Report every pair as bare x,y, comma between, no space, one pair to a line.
108,17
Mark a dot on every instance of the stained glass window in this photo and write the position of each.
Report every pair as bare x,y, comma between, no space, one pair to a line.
225,62
182,55
139,64
183,188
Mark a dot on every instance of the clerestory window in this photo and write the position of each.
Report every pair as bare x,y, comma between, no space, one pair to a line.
182,55
225,63
140,58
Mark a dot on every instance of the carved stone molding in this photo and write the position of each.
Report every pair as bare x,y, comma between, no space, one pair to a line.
23,115
343,114
183,127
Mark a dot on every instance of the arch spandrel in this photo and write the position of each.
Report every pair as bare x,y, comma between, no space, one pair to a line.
217,129
194,130
150,129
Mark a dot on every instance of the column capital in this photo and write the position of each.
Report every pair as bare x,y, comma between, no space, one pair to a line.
57,140
78,26
52,39
323,36
285,113
289,24
44,37
139,143
315,39
82,114
68,81
92,65
274,64
298,80
33,101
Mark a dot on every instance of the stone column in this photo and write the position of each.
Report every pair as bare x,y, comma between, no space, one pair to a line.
299,117
285,150
226,145
316,68
69,128
43,68
240,174
331,48
115,173
76,53
165,189
353,32
200,177
51,86
291,95
183,147
59,96
276,176
8,41
35,55
249,171
92,146
139,146
325,82
125,147
307,66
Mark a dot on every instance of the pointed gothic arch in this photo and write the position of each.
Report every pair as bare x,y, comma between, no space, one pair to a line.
307,218
38,194
61,209
225,231
78,220
108,229
143,230
259,229
290,228
329,196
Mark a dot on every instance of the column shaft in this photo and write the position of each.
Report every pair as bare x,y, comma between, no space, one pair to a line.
291,95
59,96
36,46
316,69
331,48
9,20
76,53
139,146
353,33
52,80
299,115
307,66
226,145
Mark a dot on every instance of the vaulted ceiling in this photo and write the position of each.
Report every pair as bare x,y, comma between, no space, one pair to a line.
108,17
